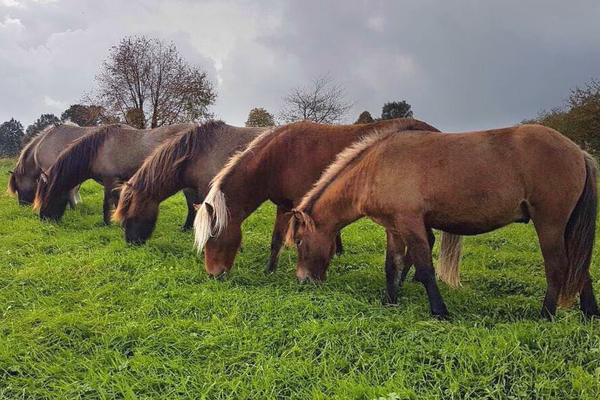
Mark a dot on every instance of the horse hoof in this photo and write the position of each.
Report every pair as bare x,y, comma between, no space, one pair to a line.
387,301
269,269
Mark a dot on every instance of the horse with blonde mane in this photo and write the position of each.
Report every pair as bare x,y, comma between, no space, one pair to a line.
108,154
38,156
189,162
281,166
466,184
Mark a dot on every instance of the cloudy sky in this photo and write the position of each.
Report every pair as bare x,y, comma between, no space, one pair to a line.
463,64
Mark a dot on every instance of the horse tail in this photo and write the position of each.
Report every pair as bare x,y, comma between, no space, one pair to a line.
211,218
579,235
449,258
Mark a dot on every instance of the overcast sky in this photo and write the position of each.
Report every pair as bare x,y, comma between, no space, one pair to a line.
461,64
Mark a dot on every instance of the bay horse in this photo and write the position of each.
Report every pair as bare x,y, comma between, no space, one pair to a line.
109,154
189,162
281,165
466,184
38,156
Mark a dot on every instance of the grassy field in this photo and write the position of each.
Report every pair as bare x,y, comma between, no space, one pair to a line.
85,316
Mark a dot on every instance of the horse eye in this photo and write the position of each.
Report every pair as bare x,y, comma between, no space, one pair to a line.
298,242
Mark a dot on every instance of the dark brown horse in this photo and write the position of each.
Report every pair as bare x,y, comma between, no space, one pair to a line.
466,184
281,166
38,156
109,154
189,162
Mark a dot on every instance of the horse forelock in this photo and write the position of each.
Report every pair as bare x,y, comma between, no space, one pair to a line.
342,160
12,185
125,200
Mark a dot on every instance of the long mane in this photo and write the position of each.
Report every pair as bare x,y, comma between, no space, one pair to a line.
73,165
165,165
212,223
348,156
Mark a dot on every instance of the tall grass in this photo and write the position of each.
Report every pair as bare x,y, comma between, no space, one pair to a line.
85,316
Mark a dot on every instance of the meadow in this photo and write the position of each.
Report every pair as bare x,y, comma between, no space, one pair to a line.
83,315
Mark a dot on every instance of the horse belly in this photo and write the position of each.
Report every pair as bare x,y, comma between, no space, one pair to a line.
482,217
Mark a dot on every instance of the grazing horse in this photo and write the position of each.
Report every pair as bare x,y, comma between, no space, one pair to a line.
466,184
188,162
109,154
38,156
280,165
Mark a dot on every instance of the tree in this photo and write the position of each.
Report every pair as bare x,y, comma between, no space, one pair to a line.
11,133
86,115
260,117
323,101
43,121
578,119
150,75
396,109
364,118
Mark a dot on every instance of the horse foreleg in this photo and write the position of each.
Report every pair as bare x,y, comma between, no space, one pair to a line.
408,260
106,204
191,198
587,300
282,220
417,241
339,248
394,261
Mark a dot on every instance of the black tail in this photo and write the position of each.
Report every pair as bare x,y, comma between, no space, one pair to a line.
579,235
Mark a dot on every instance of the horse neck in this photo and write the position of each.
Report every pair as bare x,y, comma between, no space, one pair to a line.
337,206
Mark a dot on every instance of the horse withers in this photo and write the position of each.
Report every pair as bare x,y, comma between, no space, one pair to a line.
466,184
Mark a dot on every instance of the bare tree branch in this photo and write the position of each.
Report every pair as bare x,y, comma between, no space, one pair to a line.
149,75
324,101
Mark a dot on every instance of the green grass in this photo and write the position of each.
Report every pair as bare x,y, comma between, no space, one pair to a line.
85,316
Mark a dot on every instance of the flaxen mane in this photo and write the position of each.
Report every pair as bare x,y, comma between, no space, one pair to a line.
72,166
206,226
167,163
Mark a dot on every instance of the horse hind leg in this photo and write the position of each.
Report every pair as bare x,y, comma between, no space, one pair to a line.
552,244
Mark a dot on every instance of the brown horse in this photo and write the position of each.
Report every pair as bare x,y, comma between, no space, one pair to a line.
109,154
189,162
467,184
39,155
281,166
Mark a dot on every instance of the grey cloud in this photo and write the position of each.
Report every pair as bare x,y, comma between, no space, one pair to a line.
462,65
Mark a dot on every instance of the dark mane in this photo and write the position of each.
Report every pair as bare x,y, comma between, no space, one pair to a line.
166,165
73,165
